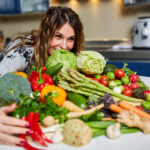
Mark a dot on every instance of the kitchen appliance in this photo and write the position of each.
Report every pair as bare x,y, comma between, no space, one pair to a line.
141,38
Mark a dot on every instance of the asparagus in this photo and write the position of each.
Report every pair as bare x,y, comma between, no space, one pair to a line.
101,87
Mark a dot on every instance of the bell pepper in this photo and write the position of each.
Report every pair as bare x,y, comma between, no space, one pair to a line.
39,79
58,94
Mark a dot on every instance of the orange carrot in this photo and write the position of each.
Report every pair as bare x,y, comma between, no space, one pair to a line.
127,106
115,108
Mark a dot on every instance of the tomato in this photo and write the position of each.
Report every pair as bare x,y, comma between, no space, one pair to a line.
104,80
147,92
112,84
118,82
148,97
134,86
133,78
125,80
127,92
110,75
93,78
126,86
139,107
119,73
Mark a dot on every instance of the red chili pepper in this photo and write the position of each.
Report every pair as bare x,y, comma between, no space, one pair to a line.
27,146
38,129
35,136
39,79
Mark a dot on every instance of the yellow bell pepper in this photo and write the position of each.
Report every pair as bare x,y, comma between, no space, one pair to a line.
23,74
59,100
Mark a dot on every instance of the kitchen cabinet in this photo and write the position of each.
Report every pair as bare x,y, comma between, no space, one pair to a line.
10,7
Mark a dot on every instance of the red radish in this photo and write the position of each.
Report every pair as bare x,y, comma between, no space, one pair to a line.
133,78
134,86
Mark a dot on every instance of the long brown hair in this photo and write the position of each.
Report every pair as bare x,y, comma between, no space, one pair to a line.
54,19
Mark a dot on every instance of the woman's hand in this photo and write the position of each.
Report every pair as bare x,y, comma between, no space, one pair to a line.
10,127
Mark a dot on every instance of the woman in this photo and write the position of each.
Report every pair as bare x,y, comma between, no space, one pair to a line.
60,28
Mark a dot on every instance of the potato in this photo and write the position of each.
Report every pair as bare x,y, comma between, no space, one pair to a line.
76,133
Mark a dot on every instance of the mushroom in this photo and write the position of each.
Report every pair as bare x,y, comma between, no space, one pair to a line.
113,131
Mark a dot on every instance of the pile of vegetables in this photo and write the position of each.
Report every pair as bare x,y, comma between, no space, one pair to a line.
82,94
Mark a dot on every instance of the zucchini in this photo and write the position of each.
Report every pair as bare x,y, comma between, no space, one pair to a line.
54,70
77,99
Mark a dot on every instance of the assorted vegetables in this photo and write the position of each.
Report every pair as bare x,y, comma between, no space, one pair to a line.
82,95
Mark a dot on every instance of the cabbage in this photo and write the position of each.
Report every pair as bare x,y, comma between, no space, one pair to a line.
68,59
90,62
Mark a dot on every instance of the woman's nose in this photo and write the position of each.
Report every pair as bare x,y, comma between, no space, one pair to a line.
64,44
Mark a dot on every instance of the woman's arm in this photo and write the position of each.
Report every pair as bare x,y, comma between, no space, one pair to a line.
10,127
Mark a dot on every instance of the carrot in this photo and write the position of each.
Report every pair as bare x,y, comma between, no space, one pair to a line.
127,106
115,108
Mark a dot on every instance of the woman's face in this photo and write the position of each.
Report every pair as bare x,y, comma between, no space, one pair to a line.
63,38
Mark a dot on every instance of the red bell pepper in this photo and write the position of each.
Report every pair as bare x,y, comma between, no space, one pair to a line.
35,136
39,79
27,146
38,129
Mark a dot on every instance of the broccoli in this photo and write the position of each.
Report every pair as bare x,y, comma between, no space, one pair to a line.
11,86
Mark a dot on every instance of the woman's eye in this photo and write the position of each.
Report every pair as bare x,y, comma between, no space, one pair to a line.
58,36
71,39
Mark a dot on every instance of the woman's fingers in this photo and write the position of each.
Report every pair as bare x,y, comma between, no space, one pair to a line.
11,139
14,130
13,121
8,109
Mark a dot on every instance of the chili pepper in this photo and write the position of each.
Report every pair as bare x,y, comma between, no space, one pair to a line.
38,129
39,79
35,136
27,145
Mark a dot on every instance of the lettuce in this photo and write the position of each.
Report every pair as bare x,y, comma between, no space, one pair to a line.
90,62
68,59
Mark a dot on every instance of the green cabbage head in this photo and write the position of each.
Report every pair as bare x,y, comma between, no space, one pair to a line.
68,59
90,62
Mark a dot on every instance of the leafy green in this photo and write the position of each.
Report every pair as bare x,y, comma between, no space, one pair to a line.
68,59
29,104
11,86
90,62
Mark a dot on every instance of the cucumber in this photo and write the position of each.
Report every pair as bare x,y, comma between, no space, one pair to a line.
77,99
54,70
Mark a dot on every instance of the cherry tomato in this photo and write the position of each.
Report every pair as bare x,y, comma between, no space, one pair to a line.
125,80
104,80
93,78
146,92
133,78
126,86
127,92
134,86
119,73
110,75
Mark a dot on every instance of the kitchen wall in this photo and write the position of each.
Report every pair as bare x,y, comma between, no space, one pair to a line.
108,19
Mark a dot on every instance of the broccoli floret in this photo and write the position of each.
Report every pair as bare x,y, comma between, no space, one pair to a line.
93,100
11,86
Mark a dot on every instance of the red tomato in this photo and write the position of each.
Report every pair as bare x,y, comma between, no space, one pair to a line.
133,78
119,73
146,92
127,92
104,80
93,78
126,86
134,86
